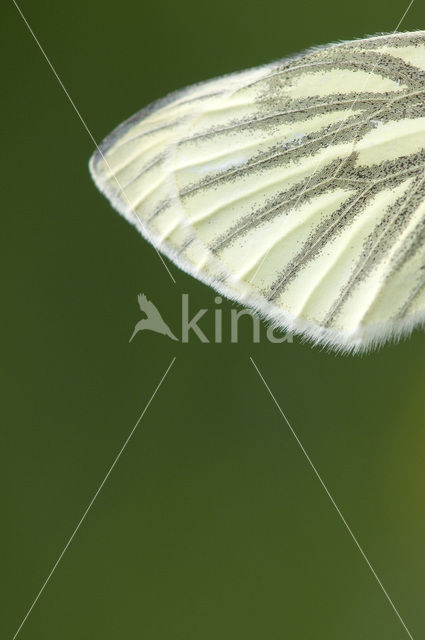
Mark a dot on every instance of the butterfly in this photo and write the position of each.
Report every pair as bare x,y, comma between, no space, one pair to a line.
296,188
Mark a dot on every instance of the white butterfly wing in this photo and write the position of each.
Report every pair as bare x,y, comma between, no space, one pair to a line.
296,188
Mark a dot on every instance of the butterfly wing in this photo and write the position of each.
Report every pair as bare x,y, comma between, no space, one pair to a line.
296,188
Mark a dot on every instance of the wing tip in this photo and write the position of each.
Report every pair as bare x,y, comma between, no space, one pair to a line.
362,341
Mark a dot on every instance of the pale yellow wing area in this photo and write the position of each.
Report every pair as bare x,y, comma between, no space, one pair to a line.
296,188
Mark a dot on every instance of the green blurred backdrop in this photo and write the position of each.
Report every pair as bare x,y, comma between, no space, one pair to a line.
212,526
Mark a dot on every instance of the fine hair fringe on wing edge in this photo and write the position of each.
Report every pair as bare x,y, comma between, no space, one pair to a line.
362,340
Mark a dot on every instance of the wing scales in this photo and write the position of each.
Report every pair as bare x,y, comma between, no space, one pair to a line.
294,187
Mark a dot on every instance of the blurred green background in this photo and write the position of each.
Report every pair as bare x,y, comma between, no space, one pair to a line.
212,525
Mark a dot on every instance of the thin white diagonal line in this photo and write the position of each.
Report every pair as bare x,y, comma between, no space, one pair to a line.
334,136
319,477
403,16
86,128
117,457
